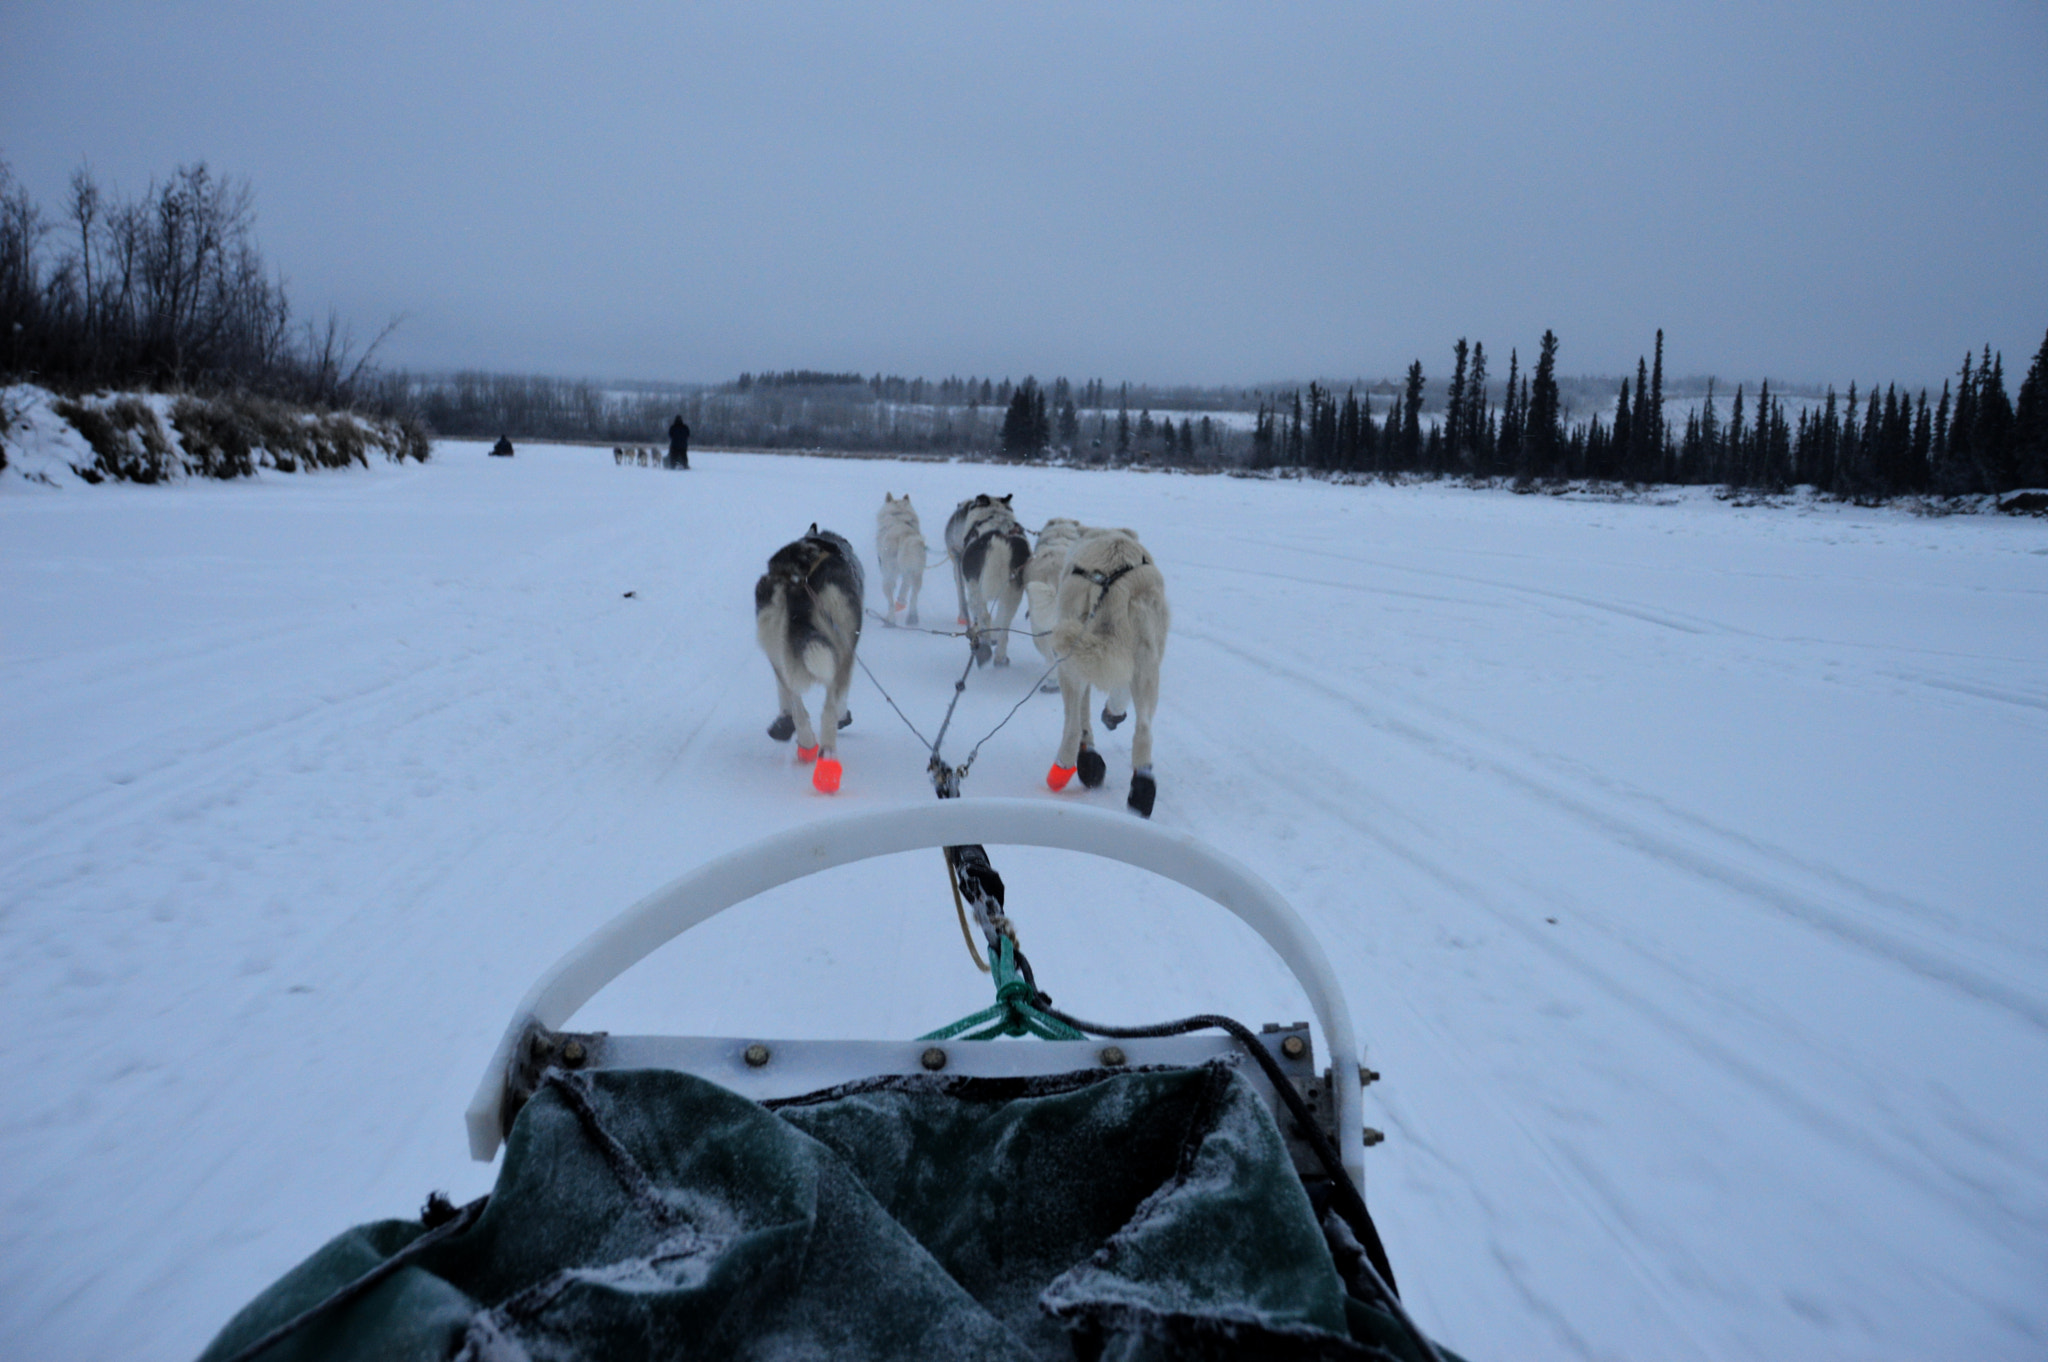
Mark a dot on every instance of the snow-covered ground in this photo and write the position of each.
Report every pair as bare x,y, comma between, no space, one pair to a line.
1684,864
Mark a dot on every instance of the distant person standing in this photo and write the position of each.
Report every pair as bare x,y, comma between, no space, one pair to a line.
678,443
502,449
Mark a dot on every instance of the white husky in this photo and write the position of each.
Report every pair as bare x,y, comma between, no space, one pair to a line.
989,551
807,614
1042,585
900,549
1110,633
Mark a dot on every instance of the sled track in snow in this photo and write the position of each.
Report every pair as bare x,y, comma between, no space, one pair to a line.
1723,868
1919,1164
2021,698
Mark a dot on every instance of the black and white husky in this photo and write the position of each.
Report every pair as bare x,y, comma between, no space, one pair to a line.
900,549
989,551
1110,634
807,614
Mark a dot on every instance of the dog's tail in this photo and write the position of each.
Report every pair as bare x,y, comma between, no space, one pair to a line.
1042,599
819,657
1020,557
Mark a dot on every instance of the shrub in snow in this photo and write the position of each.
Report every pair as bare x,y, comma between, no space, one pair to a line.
153,438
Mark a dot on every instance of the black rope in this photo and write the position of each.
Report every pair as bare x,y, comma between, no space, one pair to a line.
892,701
959,689
878,616
914,628
1349,1203
946,779
1012,714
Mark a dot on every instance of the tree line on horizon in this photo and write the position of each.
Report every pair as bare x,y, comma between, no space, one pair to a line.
169,291
1973,439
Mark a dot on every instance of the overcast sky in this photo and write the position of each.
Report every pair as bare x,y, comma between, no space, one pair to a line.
1172,192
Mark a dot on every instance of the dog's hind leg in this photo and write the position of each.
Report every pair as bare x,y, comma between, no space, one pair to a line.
1145,698
1006,611
959,585
978,623
889,588
1116,705
833,716
1076,752
794,711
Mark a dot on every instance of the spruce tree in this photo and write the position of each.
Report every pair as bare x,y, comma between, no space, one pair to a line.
1991,431
1543,436
1958,474
1736,442
1634,449
1025,433
1821,470
1508,449
1756,460
1918,460
1600,454
1411,419
1656,431
1707,468
1845,447
2030,424
1478,438
1939,454
1868,446
1454,405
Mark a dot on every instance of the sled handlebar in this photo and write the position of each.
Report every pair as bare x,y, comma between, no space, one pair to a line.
740,875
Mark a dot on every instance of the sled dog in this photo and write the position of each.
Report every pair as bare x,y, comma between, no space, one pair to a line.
900,549
807,614
1111,634
989,550
1042,585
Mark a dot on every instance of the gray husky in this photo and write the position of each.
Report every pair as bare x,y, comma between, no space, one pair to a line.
989,551
807,614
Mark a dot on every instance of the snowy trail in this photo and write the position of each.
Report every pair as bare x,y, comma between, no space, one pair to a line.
1681,862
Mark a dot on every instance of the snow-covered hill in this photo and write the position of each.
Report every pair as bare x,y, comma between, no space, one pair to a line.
1684,864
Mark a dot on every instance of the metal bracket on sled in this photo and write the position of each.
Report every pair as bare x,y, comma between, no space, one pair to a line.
770,1070
538,1051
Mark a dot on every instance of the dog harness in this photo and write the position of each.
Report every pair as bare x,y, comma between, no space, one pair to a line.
1105,580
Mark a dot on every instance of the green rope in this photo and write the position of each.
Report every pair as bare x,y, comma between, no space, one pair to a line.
1016,1011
